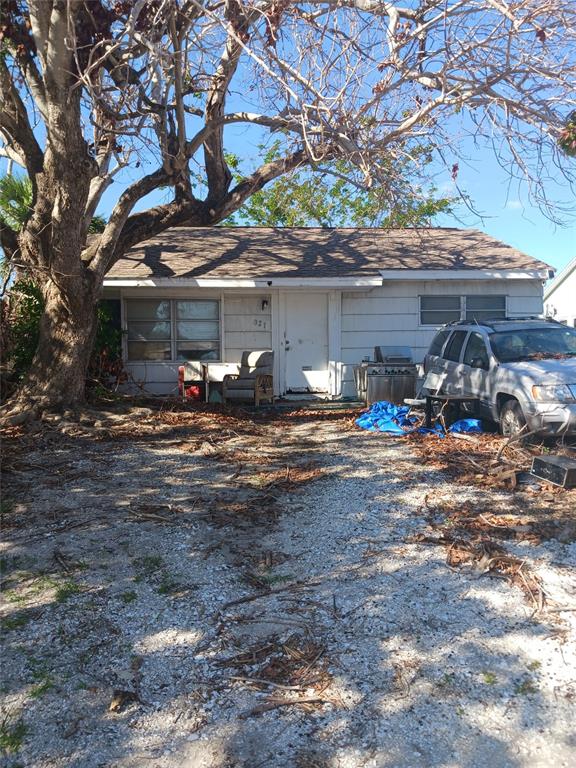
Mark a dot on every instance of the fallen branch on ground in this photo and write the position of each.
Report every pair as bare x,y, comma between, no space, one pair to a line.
489,558
269,593
275,703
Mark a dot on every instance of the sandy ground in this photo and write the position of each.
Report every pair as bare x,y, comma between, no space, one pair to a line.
208,591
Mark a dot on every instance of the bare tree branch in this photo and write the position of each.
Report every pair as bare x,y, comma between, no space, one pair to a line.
15,124
146,94
256,181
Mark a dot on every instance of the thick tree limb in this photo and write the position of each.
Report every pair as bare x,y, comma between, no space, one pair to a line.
218,174
100,256
15,124
141,226
8,241
256,181
8,152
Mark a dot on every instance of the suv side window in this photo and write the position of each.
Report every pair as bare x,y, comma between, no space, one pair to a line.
454,347
476,352
438,343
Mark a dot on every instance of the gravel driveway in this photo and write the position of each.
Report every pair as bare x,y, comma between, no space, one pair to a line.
224,592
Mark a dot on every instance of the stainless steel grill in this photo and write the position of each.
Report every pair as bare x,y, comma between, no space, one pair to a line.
390,376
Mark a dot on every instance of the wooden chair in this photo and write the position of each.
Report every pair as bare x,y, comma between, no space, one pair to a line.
254,381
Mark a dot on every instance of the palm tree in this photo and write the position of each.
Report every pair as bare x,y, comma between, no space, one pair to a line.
15,200
15,206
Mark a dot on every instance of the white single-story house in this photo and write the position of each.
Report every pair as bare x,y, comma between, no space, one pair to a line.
560,295
321,299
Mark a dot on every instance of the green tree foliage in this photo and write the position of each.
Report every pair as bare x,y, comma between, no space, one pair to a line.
97,225
15,200
567,139
20,321
331,199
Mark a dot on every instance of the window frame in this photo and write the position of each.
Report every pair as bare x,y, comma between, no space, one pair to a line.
465,336
485,296
173,341
437,296
487,349
463,308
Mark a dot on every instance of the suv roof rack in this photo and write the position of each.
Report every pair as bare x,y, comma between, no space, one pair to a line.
490,321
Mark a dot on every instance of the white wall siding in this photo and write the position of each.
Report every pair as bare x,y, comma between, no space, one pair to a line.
561,303
247,324
389,315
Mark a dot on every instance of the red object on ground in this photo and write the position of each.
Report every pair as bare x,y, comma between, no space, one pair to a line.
187,390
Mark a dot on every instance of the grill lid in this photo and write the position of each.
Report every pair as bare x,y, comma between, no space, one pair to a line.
393,355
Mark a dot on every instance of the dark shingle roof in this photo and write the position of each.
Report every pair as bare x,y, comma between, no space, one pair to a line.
261,252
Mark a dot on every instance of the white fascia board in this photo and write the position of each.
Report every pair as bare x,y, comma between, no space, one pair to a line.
463,274
278,282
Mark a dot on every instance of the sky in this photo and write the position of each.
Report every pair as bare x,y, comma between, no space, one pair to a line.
503,207
507,214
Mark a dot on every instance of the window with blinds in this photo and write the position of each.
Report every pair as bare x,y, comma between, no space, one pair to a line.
170,329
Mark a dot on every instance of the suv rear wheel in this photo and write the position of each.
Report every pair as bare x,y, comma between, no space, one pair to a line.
512,420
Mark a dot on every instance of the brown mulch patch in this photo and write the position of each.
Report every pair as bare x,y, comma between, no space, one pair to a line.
540,521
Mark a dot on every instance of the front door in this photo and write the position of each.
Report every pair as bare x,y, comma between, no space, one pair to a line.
306,342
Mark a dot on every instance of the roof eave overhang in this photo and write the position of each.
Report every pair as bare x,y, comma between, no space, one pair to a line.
327,282
264,282
464,274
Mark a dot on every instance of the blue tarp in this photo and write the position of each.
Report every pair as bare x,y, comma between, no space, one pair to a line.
394,420
466,425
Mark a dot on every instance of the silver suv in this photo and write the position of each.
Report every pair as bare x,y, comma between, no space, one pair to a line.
522,370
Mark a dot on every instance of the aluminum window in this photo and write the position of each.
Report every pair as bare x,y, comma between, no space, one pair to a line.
175,329
438,310
485,308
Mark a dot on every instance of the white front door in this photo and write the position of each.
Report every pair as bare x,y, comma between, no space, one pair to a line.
306,342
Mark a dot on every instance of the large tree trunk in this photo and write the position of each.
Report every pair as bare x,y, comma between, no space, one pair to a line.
57,376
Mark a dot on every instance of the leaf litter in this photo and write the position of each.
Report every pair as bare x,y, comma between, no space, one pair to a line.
310,599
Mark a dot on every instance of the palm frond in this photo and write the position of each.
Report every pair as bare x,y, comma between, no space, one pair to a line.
15,200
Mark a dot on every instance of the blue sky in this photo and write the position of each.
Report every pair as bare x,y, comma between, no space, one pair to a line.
508,215
506,212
